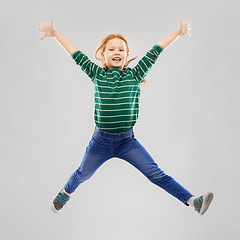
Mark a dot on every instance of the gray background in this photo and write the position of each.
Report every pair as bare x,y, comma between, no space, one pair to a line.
189,121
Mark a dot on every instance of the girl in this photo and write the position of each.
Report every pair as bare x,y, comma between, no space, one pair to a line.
117,93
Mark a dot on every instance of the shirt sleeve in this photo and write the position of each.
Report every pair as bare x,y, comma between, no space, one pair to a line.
90,68
146,62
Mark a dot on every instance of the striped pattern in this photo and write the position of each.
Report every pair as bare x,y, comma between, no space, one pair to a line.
62,198
117,92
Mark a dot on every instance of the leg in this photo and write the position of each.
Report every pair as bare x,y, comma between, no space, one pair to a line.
96,154
134,153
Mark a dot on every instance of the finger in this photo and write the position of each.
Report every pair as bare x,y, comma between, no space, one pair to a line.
51,21
40,28
180,23
44,23
43,37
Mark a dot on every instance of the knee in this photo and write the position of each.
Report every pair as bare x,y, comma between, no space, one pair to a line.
80,176
158,175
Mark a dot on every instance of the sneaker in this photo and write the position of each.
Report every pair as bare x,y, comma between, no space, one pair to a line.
202,203
60,200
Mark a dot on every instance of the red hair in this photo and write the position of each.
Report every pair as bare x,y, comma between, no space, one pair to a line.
102,49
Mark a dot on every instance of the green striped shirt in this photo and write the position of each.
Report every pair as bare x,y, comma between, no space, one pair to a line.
117,92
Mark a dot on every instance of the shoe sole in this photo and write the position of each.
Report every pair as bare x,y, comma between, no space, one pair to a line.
207,199
54,209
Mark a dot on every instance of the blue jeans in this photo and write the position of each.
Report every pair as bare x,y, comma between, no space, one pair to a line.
104,146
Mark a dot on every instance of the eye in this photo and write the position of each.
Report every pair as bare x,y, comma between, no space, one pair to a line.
121,50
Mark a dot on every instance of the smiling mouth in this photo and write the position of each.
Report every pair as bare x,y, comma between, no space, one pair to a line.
116,59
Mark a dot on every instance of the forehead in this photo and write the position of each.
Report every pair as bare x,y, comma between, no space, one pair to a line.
116,42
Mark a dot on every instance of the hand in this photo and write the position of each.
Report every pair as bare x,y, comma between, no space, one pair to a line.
184,29
48,30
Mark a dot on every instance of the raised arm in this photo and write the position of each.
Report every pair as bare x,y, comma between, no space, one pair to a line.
146,62
90,68
182,30
66,44
50,31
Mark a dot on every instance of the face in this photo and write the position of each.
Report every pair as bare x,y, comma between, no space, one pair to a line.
115,55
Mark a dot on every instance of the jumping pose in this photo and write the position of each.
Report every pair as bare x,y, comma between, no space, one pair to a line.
117,95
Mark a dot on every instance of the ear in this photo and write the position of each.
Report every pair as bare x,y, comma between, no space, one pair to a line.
102,56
